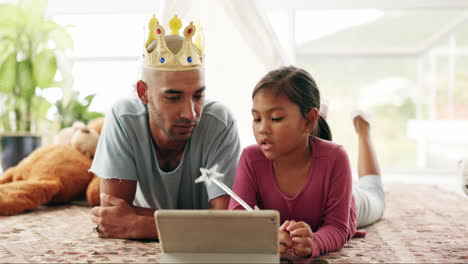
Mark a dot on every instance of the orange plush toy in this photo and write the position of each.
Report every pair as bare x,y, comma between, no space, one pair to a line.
51,175
92,193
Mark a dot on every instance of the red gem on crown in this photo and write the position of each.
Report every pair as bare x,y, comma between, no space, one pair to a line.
158,31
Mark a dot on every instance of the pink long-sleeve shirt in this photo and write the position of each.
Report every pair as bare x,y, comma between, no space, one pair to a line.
325,202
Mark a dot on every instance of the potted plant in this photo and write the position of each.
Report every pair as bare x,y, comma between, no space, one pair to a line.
29,47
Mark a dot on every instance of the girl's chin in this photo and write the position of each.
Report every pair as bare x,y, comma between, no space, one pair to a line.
269,155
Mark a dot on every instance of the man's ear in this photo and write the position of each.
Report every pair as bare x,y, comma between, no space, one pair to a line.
142,91
312,119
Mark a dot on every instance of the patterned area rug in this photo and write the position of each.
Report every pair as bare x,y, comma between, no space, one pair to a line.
422,224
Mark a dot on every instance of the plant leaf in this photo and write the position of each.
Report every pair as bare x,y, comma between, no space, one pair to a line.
61,38
8,32
89,99
40,106
34,10
5,51
25,80
12,15
49,30
21,118
8,74
44,68
88,116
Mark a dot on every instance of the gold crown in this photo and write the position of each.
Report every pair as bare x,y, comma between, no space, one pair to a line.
159,57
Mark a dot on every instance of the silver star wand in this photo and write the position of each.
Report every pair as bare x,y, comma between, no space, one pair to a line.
210,175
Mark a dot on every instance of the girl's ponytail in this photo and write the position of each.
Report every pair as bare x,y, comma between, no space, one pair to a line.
322,130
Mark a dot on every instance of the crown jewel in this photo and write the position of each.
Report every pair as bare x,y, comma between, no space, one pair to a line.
158,56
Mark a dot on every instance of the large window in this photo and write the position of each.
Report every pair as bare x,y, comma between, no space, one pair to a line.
106,54
407,67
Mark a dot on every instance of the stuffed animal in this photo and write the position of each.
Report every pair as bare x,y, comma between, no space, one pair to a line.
92,193
96,124
85,141
65,135
56,174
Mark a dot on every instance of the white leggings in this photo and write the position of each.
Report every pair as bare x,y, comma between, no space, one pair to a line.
370,199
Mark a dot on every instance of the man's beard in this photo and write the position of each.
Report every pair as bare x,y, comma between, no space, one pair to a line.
171,132
183,137
160,122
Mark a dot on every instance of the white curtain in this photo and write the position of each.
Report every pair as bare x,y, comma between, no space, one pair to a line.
255,28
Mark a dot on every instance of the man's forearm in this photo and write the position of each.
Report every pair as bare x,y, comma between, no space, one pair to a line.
145,227
144,211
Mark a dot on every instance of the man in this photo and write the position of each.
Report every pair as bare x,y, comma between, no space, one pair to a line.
152,147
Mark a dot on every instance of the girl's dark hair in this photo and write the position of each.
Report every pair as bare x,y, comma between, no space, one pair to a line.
299,86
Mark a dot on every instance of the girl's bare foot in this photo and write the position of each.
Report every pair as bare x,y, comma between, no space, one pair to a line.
361,121
367,160
361,126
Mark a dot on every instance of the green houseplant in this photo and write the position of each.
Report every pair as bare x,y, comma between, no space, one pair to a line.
29,47
76,110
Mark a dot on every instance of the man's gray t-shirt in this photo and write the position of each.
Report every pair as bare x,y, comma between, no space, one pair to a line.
126,151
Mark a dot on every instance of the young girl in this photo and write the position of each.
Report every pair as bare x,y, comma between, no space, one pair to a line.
307,179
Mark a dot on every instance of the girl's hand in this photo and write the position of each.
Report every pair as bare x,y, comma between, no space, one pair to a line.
285,241
302,237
